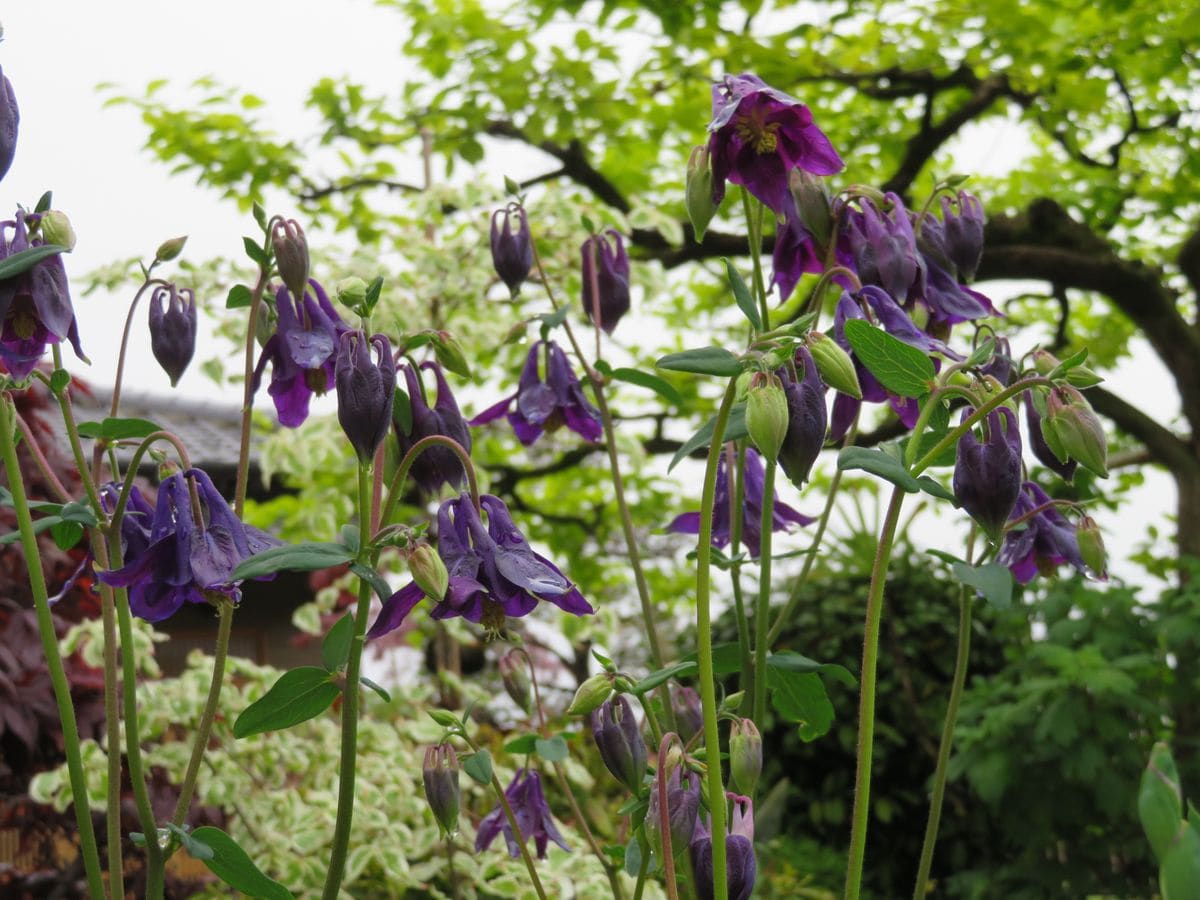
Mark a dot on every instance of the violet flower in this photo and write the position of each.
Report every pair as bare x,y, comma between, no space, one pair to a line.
532,813
434,466
885,250
740,865
512,251
785,517
619,740
1042,542
963,230
683,808
611,275
987,474
808,419
10,118
493,571
365,389
35,306
758,135
545,405
173,329
191,552
301,352
795,254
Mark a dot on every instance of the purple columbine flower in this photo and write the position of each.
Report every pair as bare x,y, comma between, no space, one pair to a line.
301,352
1042,542
808,419
10,118
532,813
512,251
365,389
434,466
493,571
795,254
741,867
987,474
683,808
1037,443
758,135
173,329
545,405
612,278
191,553
885,250
35,306
785,518
963,229
619,740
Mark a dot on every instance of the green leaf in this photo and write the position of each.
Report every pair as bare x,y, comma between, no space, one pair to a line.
305,557
402,411
118,429
800,697
727,658
66,534
382,589
877,462
479,766
379,689
1160,805
11,537
660,386
702,361
335,649
553,749
552,320
790,661
981,354
76,511
24,260
239,297
992,580
374,289
654,679
1179,875
523,745
900,368
511,186
734,430
233,866
44,202
256,253
935,488
633,857
260,215
196,849
298,695
741,294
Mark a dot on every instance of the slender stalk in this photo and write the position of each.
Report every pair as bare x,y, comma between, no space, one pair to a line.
664,816
44,469
735,466
754,224
200,742
450,867
402,470
762,610
58,677
112,733
643,868
704,657
349,753
866,705
243,468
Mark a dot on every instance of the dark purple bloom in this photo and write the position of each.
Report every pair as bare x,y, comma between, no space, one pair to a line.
365,389
963,231
173,329
532,813
191,553
741,867
794,255
758,135
301,352
1001,366
612,278
434,466
885,251
1042,542
35,306
619,740
544,405
10,118
512,251
1041,450
948,301
493,571
785,518
987,474
683,808
807,419
440,774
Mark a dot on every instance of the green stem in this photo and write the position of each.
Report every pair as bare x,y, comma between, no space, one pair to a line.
735,466
644,867
349,754
200,742
112,735
58,677
866,706
704,653
754,225
402,470
243,467
762,610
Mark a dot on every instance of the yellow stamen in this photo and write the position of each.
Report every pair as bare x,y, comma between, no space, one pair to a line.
762,136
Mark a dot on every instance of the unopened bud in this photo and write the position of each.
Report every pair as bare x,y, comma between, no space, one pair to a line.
352,293
745,755
428,571
1044,361
617,736
767,414
514,672
10,119
291,255
170,249
1073,431
834,364
1091,547
440,774
450,354
698,192
591,694
56,229
812,202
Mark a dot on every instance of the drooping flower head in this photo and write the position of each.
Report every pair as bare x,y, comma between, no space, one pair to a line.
987,473
544,404
885,250
1042,542
785,518
683,808
808,419
963,227
493,571
512,251
173,329
191,551
35,305
532,812
619,740
741,867
434,466
10,118
611,273
759,134
365,389
301,352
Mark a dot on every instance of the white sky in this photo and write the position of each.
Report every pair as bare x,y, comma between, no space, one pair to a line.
122,203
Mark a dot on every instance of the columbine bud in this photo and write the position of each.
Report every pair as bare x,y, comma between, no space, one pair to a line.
440,773
10,118
514,672
170,249
1044,361
767,414
611,278
512,251
1077,376
1072,430
291,255
963,232
689,716
745,755
835,365
619,740
683,806
364,391
352,293
808,420
173,329
1037,440
1091,547
812,202
698,192
56,229
987,474
885,250
450,354
428,571
591,694
1000,366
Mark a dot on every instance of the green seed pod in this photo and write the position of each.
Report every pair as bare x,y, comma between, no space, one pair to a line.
1073,431
56,229
352,293
745,755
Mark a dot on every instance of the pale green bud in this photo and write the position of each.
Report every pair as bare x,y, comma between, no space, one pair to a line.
591,694
170,249
698,192
745,755
428,571
834,364
1091,546
56,229
767,414
352,292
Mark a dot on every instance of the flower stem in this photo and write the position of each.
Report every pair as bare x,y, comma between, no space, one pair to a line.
762,610
58,677
243,467
866,705
664,816
402,470
346,767
735,465
754,225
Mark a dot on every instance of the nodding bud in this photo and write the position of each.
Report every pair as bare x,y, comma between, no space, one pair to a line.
689,716
514,672
512,251
808,419
428,571
1091,547
591,694
987,474
615,729
683,806
1072,430
698,192
834,364
1081,377
352,293
963,232
1000,366
56,229
813,204
440,774
1037,440
1044,361
10,118
767,414
745,755
609,274
291,255
170,249
364,391
173,329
